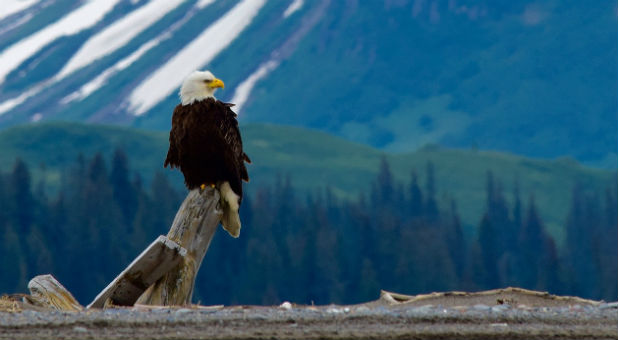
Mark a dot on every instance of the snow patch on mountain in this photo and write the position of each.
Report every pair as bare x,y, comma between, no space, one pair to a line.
10,7
16,23
241,95
98,82
194,56
8,105
244,89
294,6
81,18
118,34
203,3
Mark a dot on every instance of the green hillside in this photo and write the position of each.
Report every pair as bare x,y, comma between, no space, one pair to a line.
313,160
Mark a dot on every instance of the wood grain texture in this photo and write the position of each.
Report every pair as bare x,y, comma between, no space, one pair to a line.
193,229
157,259
47,292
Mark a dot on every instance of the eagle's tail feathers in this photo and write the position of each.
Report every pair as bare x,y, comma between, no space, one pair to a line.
229,202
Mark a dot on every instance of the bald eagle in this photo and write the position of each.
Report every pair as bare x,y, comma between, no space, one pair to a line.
205,144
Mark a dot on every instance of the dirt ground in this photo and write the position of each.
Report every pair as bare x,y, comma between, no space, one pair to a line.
503,314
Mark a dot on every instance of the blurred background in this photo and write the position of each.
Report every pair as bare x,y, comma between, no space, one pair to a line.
405,145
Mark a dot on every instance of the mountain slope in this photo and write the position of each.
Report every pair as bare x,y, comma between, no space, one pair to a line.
315,160
532,78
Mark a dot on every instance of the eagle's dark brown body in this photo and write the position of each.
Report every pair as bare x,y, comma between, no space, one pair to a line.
205,144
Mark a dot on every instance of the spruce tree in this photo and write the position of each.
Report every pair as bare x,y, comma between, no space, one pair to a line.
531,248
416,197
21,202
488,246
124,193
431,206
4,201
608,253
455,240
581,266
384,184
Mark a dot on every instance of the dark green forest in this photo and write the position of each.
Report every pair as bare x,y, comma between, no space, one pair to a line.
306,248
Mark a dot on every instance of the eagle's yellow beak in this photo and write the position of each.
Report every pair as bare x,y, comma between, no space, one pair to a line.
216,83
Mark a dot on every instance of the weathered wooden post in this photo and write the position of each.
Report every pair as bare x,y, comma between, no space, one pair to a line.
193,228
157,259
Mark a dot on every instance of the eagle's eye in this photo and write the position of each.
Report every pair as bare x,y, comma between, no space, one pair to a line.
208,81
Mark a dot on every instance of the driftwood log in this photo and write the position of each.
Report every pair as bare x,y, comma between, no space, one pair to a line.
512,296
160,257
48,293
193,228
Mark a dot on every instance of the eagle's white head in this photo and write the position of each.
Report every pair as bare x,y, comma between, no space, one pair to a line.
199,85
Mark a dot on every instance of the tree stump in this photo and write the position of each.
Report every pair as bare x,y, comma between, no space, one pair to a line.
193,228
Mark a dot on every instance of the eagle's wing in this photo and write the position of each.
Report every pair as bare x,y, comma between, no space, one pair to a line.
177,134
234,114
235,157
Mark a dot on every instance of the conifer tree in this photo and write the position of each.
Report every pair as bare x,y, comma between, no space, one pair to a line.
431,206
608,252
387,221
517,213
21,201
416,197
384,184
455,240
123,191
12,260
165,202
100,228
489,277
580,266
532,246
142,231
4,201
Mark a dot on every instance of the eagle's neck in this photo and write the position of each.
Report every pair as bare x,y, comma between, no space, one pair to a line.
190,98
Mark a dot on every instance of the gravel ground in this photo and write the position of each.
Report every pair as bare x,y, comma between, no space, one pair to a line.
325,322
